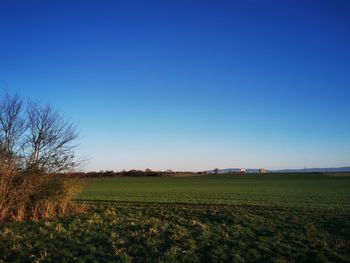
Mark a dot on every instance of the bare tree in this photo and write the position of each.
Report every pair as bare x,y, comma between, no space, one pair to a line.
36,138
50,140
12,125
35,144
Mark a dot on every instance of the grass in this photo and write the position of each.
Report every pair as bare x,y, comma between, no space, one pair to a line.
213,218
150,232
303,190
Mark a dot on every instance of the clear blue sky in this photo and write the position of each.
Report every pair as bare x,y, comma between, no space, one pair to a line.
188,85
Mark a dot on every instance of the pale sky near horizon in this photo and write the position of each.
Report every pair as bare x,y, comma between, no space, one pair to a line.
188,85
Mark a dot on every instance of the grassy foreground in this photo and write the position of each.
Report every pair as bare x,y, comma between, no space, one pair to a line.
214,218
147,232
303,190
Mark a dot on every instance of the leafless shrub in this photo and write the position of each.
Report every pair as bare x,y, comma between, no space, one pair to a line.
36,144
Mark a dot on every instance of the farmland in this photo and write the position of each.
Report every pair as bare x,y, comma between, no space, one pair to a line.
310,190
210,218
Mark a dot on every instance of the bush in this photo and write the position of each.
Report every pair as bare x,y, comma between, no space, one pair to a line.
36,147
36,197
11,196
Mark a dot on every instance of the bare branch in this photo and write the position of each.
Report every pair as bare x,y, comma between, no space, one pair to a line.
50,140
12,124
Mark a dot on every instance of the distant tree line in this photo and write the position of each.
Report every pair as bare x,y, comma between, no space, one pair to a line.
144,173
130,173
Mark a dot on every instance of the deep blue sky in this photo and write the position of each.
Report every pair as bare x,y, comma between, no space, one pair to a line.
188,85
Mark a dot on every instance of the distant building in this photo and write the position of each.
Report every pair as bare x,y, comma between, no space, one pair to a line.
242,170
262,171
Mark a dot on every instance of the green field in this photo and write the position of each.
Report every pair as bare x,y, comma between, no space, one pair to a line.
310,190
212,218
